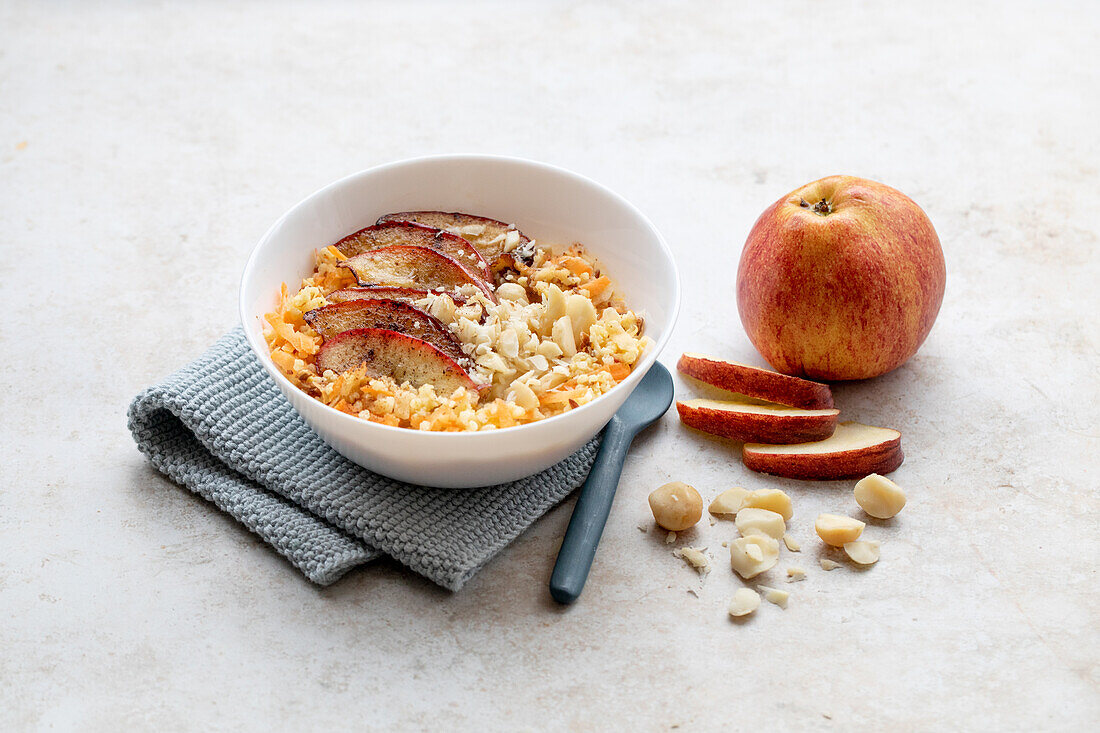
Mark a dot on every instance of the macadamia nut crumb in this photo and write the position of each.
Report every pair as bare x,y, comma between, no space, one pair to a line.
776,596
694,557
760,521
745,601
837,530
752,555
864,552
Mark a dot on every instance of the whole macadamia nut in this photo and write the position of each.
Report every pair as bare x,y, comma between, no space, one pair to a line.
676,506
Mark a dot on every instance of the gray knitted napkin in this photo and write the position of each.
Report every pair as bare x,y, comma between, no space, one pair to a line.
221,428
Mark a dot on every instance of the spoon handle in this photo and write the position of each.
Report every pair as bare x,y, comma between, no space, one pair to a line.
590,515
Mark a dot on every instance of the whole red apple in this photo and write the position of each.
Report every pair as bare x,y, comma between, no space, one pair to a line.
840,279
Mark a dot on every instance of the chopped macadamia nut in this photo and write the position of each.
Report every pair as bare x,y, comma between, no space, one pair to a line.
745,601
879,496
791,543
760,521
670,538
837,530
771,499
676,506
864,552
695,558
776,596
750,556
728,502
827,564
795,574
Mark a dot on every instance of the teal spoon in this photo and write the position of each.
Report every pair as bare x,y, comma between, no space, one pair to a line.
649,400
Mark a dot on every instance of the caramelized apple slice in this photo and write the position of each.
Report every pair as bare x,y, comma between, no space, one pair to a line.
491,237
391,354
391,315
381,292
413,267
757,422
392,233
852,451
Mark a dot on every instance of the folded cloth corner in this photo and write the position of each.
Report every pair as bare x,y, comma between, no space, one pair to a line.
220,427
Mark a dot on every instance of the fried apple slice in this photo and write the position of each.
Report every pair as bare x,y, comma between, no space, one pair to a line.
382,292
403,266
390,315
392,233
762,384
852,451
489,236
757,422
385,353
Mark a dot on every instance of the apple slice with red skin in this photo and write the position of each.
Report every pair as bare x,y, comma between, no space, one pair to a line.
757,422
386,353
382,292
851,452
763,384
403,266
391,315
392,233
449,221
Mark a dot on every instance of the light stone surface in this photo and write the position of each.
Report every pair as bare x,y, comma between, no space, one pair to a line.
145,148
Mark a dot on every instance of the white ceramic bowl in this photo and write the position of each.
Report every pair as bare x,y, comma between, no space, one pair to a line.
548,204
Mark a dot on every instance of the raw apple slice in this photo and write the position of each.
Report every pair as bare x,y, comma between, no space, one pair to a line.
392,354
392,233
852,451
756,422
491,237
763,384
382,292
413,267
391,315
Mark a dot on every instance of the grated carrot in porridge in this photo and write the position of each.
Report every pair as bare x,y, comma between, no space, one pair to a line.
557,336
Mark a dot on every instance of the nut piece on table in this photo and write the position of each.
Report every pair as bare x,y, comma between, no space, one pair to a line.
772,500
676,506
864,552
879,496
752,521
745,601
795,574
791,543
838,530
827,564
694,557
776,596
731,501
728,502
752,555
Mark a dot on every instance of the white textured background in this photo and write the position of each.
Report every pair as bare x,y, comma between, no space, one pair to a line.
144,147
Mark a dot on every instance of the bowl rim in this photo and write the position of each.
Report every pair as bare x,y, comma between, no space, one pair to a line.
631,381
